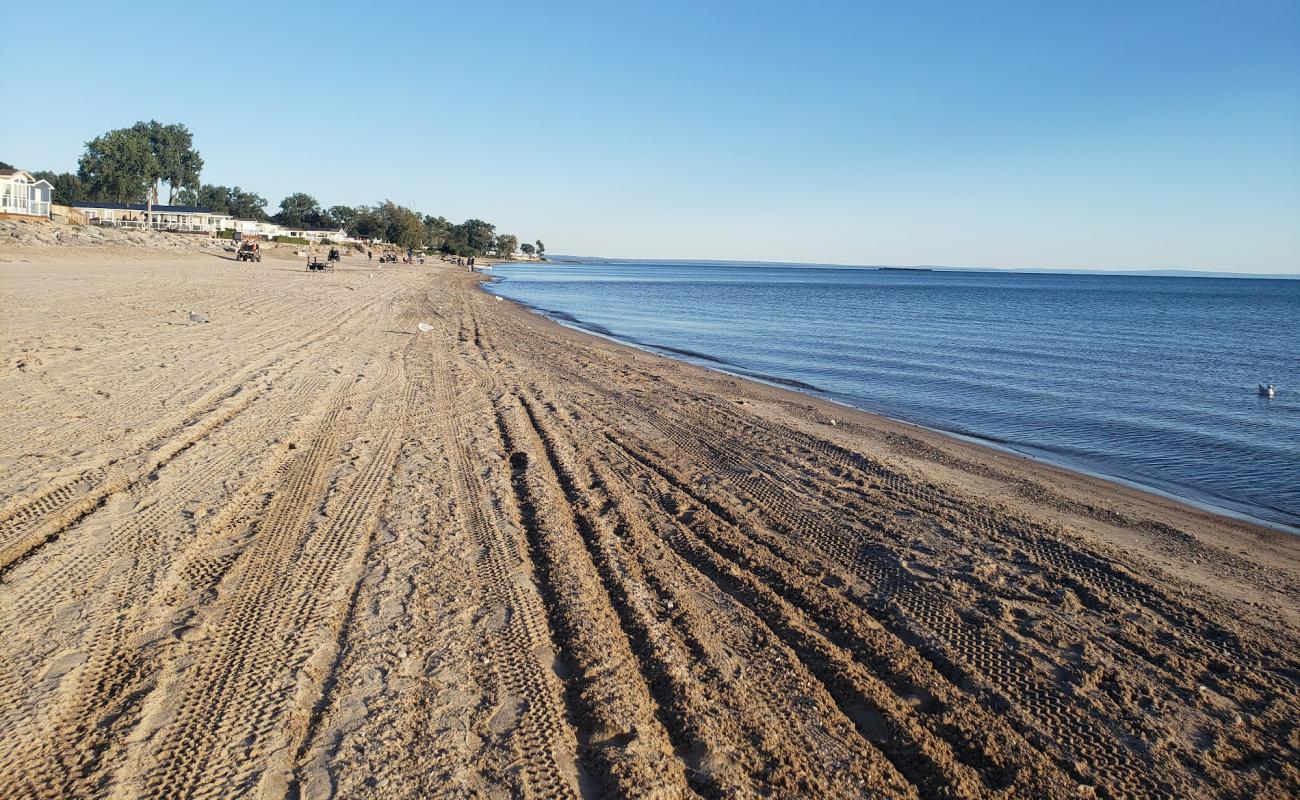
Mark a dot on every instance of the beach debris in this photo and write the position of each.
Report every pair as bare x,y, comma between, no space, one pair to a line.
424,326
197,317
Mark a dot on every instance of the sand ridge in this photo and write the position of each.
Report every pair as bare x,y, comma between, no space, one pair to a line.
307,550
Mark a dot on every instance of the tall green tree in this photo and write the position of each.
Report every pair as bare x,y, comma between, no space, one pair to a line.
299,210
506,245
368,223
207,195
405,228
477,235
527,249
437,232
541,248
6,165
119,166
179,164
343,215
247,205
131,164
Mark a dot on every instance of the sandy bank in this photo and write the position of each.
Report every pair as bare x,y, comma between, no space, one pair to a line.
306,550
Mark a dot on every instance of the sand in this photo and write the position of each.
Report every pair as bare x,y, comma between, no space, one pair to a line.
308,550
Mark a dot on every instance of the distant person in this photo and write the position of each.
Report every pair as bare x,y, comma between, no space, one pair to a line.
370,256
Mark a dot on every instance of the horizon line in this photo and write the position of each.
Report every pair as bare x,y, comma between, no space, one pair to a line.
1130,271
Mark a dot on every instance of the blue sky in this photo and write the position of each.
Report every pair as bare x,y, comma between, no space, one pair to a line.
1059,134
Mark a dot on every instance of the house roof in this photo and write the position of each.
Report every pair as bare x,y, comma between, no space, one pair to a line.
159,209
9,173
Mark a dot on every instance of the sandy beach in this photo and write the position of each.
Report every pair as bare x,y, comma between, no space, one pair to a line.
307,550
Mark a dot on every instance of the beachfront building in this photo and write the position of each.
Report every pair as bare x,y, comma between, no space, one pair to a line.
316,235
178,219
23,195
247,228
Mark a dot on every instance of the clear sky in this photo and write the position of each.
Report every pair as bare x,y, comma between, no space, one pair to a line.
1009,134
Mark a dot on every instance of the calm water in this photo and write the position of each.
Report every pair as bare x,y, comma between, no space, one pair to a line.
1150,379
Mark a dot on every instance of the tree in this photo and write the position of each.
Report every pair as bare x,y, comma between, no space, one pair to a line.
119,166
506,244
299,210
179,164
217,198
405,228
130,164
343,215
247,205
437,232
541,249
68,188
476,235
368,223
6,165
527,249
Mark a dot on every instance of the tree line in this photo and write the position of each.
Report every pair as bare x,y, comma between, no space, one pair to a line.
133,165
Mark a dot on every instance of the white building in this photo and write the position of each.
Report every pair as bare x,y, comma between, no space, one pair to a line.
22,195
180,219
252,227
315,235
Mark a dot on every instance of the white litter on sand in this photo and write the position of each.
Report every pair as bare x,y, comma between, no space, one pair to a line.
424,326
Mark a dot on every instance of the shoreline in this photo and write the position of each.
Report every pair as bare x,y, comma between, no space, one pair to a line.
378,533
1185,495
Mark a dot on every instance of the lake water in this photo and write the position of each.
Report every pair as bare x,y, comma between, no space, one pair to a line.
1148,379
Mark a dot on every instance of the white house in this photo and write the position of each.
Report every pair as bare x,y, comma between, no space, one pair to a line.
22,195
315,235
181,219
252,227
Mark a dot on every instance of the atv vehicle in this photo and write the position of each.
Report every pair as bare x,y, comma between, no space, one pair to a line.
249,251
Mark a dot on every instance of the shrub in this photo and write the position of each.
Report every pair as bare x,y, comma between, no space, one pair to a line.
228,233
289,240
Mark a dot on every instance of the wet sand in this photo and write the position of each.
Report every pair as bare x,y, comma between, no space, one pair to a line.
306,550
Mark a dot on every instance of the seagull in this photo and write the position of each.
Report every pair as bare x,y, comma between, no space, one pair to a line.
197,317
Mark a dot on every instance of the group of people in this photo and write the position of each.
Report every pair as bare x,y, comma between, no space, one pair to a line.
409,258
